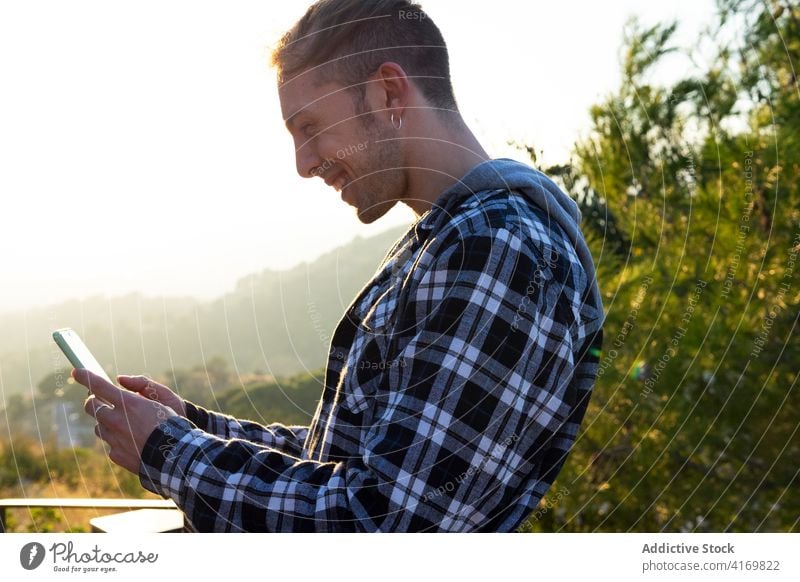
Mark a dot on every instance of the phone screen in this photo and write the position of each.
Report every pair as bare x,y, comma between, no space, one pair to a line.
77,353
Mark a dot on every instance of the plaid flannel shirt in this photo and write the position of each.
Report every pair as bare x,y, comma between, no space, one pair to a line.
455,387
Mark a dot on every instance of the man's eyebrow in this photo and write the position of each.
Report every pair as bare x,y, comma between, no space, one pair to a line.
291,119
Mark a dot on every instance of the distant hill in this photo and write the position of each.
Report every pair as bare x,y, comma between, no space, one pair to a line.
55,417
291,400
273,323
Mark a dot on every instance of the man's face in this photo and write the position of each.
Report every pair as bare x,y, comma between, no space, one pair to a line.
349,149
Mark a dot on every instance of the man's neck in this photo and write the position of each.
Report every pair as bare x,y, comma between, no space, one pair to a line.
439,159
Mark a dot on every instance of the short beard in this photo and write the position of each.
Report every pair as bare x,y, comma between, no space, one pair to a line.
385,182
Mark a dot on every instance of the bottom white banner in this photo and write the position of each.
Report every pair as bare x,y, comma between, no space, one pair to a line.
391,557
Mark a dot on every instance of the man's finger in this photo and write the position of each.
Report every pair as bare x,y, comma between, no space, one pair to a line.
99,386
100,411
135,383
102,433
143,386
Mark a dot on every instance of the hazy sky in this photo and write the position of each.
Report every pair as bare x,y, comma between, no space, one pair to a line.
142,146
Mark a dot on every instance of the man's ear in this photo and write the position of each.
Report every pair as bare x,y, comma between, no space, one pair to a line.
391,90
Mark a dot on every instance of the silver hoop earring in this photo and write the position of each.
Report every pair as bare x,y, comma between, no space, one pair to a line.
399,126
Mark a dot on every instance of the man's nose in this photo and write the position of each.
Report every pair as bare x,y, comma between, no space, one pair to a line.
307,160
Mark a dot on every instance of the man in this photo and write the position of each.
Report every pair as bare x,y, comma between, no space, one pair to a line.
458,378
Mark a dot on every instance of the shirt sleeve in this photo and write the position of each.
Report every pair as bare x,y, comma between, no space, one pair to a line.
288,439
476,418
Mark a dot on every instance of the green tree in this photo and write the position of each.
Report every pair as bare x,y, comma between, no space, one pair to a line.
690,197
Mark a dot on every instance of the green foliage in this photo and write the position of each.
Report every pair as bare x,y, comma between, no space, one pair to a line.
20,464
31,469
692,209
200,383
44,520
289,401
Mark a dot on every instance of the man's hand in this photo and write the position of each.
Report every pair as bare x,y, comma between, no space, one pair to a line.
152,390
127,423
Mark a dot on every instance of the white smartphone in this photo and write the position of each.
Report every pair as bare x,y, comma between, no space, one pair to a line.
77,353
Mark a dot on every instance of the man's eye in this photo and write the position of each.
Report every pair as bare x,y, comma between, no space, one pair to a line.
308,130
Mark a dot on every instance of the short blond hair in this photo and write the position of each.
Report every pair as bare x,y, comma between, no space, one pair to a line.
347,40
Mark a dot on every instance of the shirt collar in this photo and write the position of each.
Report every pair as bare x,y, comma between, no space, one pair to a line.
448,199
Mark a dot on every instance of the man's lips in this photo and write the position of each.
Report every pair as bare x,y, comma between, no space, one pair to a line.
339,181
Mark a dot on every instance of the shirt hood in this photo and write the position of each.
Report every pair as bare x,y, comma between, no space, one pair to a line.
510,174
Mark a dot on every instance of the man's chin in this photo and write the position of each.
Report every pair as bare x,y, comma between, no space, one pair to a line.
373,212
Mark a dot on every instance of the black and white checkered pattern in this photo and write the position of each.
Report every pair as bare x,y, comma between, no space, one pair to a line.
456,384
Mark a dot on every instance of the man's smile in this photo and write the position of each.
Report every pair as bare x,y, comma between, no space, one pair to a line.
339,180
